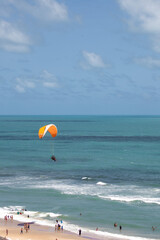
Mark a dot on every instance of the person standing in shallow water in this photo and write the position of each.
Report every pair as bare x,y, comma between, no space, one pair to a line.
153,228
120,227
80,232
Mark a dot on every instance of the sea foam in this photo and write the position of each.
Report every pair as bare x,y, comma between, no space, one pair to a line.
105,191
101,183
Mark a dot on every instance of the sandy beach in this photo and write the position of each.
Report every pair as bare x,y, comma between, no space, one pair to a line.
41,232
36,232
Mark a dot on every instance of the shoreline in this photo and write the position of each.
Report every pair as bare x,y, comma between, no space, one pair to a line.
24,216
41,232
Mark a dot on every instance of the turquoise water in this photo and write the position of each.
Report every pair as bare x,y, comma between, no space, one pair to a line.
108,169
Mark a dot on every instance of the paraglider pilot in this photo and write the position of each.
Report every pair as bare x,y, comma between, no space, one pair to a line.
53,158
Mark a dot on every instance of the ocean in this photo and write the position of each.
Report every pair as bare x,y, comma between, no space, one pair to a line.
107,171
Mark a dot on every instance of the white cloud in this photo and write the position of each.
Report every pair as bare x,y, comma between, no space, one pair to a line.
45,80
93,60
15,47
50,84
10,33
23,84
48,80
12,39
19,89
46,75
29,84
144,17
15,14
46,10
148,61
52,10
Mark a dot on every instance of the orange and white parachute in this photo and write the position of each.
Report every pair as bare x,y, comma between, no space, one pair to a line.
51,128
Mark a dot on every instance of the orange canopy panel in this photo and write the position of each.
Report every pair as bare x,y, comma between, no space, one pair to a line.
51,128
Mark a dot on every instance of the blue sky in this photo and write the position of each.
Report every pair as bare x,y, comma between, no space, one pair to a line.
79,57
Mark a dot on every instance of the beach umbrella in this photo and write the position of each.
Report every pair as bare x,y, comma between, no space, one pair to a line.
22,224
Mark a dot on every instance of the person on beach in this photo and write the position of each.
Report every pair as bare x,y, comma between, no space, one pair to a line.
21,231
26,227
56,227
6,232
59,226
120,227
80,232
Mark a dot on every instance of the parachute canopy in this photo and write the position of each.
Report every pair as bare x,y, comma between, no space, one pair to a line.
51,128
